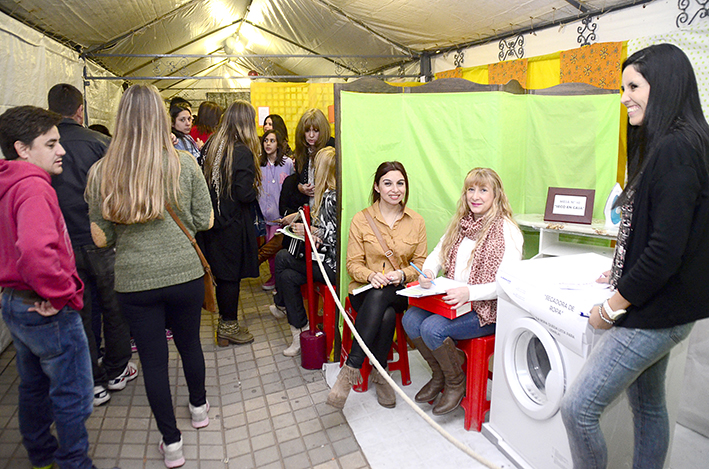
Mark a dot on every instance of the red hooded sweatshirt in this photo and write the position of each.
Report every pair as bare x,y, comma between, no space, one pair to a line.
35,249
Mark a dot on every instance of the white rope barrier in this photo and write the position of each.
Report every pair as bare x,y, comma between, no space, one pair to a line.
382,372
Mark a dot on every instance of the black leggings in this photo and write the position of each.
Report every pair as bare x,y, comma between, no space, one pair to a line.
228,298
376,322
147,312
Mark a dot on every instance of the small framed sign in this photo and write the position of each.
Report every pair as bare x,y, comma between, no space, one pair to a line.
569,205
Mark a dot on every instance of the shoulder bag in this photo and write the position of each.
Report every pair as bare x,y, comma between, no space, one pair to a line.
387,252
209,303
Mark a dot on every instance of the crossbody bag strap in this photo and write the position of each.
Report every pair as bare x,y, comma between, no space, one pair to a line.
387,252
202,259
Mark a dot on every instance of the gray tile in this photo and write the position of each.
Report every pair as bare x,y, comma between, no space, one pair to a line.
292,447
266,455
321,454
298,461
353,461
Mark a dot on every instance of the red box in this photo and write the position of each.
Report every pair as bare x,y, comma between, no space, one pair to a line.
435,304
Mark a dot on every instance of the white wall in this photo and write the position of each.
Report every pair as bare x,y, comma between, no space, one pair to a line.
32,63
653,18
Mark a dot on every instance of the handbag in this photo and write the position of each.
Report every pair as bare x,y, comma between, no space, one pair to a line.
387,252
210,285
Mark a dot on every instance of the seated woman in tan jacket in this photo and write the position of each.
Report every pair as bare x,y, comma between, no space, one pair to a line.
404,232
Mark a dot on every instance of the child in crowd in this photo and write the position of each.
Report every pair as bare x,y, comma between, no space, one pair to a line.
275,168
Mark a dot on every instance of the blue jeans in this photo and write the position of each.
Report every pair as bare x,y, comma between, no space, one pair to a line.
434,329
631,360
55,383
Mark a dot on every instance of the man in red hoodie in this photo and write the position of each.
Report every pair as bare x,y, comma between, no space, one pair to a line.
42,293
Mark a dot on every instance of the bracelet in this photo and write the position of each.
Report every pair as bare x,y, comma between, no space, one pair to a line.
600,313
403,277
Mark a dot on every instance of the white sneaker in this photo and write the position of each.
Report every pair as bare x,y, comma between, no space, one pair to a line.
101,396
200,415
278,312
173,453
120,381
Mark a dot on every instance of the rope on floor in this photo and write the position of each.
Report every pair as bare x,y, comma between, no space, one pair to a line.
383,373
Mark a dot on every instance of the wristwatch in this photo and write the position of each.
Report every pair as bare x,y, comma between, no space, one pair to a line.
612,315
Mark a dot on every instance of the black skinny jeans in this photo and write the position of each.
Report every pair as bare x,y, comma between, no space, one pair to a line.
376,322
290,276
147,312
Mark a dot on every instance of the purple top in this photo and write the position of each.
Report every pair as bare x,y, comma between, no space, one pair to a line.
272,178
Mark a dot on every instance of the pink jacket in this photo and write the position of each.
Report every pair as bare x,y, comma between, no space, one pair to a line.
35,249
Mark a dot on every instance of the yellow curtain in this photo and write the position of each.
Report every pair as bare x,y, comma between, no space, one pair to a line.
543,71
477,74
291,100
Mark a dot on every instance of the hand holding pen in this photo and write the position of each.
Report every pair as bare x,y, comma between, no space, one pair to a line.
425,279
379,279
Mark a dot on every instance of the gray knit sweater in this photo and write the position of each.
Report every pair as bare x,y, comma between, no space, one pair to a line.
157,254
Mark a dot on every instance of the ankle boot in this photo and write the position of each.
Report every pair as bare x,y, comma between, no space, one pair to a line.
230,332
430,390
451,363
347,378
385,393
294,349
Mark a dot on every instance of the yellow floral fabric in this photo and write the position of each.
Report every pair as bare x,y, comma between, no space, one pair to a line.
597,65
501,73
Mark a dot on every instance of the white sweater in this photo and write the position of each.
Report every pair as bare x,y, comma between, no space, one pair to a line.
486,291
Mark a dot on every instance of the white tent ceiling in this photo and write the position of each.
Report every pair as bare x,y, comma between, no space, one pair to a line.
298,39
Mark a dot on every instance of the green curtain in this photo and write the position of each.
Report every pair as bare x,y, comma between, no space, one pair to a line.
533,142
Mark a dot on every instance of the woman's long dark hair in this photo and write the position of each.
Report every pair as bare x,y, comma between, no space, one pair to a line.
280,151
673,106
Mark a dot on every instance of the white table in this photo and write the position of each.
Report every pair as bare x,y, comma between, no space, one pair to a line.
551,245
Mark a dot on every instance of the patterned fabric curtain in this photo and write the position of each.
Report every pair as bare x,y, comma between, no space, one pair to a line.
597,65
501,73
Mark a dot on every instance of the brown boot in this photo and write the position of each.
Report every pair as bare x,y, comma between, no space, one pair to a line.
230,332
270,249
451,360
347,378
385,393
430,390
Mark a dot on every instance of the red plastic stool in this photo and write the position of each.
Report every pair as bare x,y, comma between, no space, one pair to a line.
477,371
399,344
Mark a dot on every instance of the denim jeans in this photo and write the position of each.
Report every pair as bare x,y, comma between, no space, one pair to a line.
631,360
55,383
95,268
434,328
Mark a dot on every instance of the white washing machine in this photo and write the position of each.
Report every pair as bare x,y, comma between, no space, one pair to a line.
542,342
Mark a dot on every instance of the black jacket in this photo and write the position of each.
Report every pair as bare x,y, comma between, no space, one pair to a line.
666,270
83,148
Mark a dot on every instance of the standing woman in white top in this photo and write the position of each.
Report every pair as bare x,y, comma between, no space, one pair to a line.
481,236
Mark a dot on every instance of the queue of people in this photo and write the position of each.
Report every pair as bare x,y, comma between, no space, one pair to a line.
155,176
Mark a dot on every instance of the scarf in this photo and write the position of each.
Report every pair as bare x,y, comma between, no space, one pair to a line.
487,257
217,173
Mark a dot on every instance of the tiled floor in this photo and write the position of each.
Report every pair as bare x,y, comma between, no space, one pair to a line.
266,410
269,412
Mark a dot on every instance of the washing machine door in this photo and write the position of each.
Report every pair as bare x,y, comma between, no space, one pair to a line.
533,368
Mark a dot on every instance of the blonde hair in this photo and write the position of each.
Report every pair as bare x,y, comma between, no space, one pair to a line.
325,177
141,170
238,126
311,118
500,208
